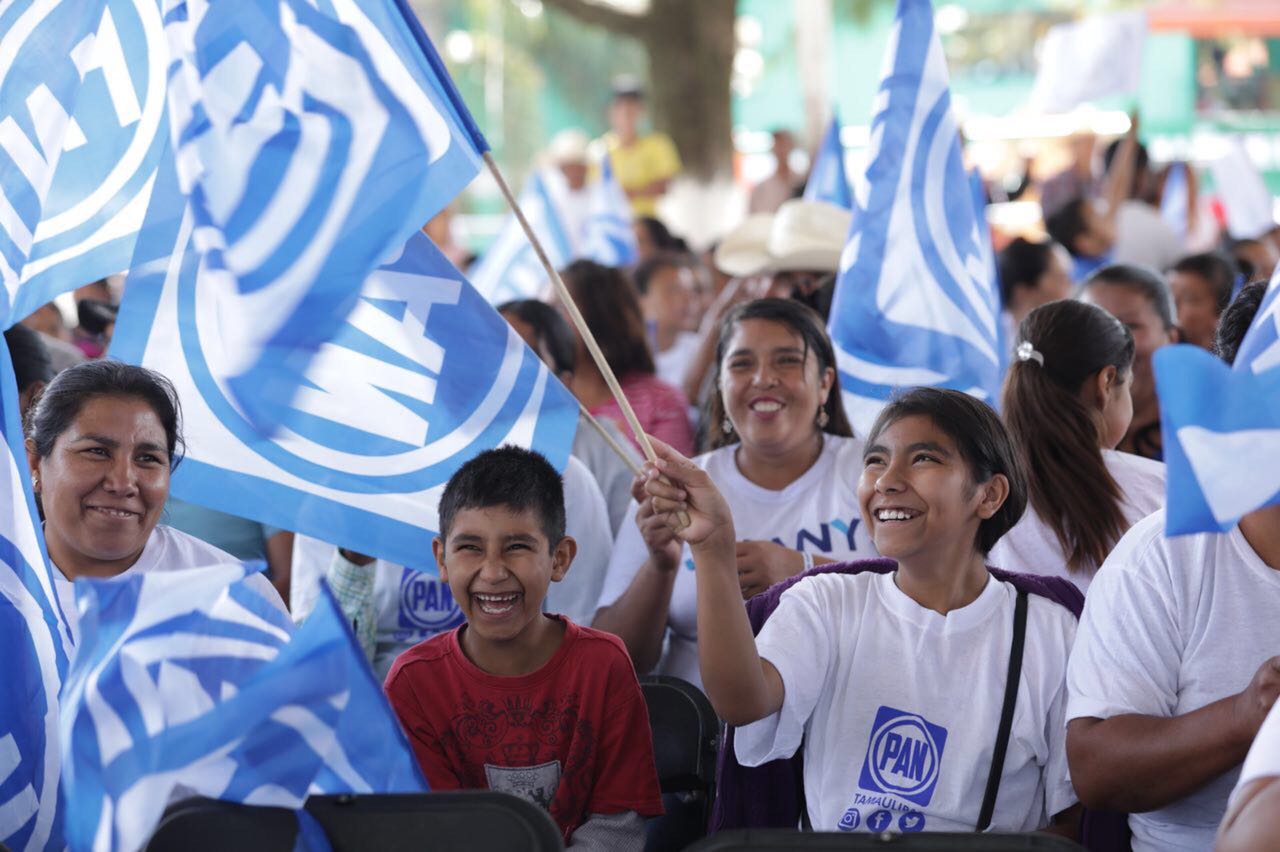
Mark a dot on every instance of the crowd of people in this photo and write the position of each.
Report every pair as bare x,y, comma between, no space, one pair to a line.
961,620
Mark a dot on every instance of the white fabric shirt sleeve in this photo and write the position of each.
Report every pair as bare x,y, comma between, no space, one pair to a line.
1127,650
587,521
797,641
629,553
1059,793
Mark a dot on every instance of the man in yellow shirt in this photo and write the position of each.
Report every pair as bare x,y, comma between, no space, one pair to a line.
643,165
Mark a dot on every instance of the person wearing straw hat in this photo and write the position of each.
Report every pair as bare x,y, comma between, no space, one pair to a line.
567,154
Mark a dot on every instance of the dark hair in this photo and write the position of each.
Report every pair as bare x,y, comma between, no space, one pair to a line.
660,235
803,321
1218,270
1021,264
520,479
30,356
1140,161
1236,319
59,404
552,330
1068,224
1143,281
1245,265
611,308
1057,435
982,440
647,269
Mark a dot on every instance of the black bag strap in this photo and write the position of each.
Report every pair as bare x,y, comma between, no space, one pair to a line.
1006,713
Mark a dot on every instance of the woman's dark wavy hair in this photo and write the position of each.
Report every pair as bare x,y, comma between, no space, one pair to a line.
58,405
805,322
1057,435
609,304
982,440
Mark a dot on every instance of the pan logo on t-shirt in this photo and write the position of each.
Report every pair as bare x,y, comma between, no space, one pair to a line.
426,604
904,753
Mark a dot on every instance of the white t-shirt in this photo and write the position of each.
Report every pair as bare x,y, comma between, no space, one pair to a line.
671,364
1032,547
818,513
413,606
1264,755
898,706
1173,624
166,550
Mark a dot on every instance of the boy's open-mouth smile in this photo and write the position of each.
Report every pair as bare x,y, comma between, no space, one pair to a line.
496,603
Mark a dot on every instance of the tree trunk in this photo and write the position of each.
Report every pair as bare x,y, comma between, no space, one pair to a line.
690,47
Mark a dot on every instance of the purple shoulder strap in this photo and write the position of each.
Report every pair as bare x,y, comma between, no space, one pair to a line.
772,795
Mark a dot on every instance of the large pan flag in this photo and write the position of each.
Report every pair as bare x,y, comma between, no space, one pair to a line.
916,302
1221,426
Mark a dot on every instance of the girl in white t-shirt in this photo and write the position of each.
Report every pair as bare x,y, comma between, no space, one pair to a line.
101,442
1067,405
894,682
784,458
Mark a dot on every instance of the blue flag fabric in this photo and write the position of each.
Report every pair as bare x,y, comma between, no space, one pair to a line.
1221,427
189,683
310,143
828,180
1175,199
82,100
509,268
37,648
914,301
422,375
607,236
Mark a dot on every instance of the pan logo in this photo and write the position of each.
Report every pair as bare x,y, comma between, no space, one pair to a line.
369,417
110,140
426,604
904,754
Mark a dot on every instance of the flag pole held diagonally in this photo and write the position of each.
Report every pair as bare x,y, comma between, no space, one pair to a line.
575,316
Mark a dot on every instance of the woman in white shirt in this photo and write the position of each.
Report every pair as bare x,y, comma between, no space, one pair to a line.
102,440
1067,405
784,456
892,681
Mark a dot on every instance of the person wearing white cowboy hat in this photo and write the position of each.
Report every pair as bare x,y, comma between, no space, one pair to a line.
798,245
569,166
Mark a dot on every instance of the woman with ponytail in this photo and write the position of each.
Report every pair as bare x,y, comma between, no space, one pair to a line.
1067,405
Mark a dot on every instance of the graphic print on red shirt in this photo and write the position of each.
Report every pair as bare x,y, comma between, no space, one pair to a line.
572,737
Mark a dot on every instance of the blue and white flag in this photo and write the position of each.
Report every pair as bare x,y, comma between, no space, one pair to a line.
190,683
607,235
1221,426
828,180
37,647
1175,200
310,143
914,301
509,269
82,104
422,375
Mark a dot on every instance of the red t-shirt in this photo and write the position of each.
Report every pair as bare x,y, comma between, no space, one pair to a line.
572,737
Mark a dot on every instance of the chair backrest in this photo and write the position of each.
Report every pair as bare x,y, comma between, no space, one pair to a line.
442,822
783,840
686,732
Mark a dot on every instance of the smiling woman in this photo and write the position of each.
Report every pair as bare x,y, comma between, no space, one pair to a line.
102,441
784,457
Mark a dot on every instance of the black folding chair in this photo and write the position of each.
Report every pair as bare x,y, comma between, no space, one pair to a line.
686,733
440,822
780,840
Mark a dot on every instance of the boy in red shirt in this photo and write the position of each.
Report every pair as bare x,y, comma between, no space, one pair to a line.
517,700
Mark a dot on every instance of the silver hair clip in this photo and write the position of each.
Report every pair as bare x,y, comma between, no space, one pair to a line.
1027,352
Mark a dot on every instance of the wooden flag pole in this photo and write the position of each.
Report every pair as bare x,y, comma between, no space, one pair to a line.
575,316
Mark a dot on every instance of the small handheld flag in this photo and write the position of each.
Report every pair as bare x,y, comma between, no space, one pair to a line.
189,683
510,269
828,180
914,301
1221,426
607,235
